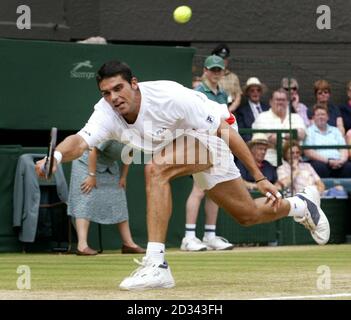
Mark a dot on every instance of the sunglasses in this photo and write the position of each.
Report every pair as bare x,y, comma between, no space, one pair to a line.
291,88
323,92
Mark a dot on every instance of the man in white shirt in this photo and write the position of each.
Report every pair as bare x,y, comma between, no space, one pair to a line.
277,117
186,134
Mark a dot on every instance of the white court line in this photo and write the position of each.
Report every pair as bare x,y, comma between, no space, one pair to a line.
336,295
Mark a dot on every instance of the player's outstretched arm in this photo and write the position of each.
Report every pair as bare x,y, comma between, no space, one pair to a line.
71,148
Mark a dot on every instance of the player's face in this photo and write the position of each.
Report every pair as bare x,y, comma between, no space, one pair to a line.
121,95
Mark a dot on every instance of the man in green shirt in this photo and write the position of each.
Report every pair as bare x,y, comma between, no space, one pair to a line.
213,72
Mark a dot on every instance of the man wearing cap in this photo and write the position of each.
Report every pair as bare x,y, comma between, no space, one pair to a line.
212,74
247,113
230,81
258,147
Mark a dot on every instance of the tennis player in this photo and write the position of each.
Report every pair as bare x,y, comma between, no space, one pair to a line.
186,133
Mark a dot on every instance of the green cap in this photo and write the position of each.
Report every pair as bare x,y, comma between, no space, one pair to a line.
214,61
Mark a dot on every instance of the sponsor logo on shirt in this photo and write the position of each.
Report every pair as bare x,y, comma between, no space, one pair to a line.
160,131
210,119
86,132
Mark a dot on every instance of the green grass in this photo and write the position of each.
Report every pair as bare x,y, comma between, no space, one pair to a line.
243,273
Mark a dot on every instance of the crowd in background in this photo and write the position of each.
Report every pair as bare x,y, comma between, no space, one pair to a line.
320,124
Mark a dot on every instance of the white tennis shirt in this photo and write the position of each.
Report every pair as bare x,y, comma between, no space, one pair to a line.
167,109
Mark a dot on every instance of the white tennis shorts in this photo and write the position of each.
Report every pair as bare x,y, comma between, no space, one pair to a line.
223,165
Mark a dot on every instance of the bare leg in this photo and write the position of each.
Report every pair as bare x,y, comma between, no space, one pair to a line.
193,204
242,207
126,235
211,210
82,233
158,175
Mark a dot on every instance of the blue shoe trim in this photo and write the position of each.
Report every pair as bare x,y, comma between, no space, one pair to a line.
312,208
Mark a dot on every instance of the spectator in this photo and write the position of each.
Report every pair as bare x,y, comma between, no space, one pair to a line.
230,82
326,162
345,111
97,194
247,113
258,147
303,173
297,106
196,82
322,92
213,71
277,117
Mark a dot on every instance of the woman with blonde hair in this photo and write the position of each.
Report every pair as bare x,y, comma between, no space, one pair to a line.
302,172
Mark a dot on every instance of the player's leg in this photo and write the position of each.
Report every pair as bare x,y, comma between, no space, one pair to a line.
158,174
165,166
235,199
304,207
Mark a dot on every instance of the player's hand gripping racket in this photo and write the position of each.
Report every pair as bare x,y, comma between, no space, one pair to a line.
49,162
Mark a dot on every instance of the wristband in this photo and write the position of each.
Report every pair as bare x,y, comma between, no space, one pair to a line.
92,174
58,157
259,180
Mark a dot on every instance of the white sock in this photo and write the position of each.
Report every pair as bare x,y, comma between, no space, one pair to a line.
210,231
297,207
156,251
190,231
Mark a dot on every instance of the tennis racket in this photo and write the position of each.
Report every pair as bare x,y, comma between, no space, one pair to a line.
49,162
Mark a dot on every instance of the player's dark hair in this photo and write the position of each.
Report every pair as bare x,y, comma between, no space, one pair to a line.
114,68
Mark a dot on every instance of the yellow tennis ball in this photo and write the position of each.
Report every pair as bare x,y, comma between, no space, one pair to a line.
182,14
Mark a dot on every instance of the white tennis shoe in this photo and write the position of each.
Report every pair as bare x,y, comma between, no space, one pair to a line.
314,219
149,275
192,244
217,243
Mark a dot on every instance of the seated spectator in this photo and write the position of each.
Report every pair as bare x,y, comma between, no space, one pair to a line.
326,162
345,111
277,117
303,173
247,113
322,92
297,106
196,82
230,82
258,147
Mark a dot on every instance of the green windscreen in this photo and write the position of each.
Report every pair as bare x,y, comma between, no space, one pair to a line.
45,84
